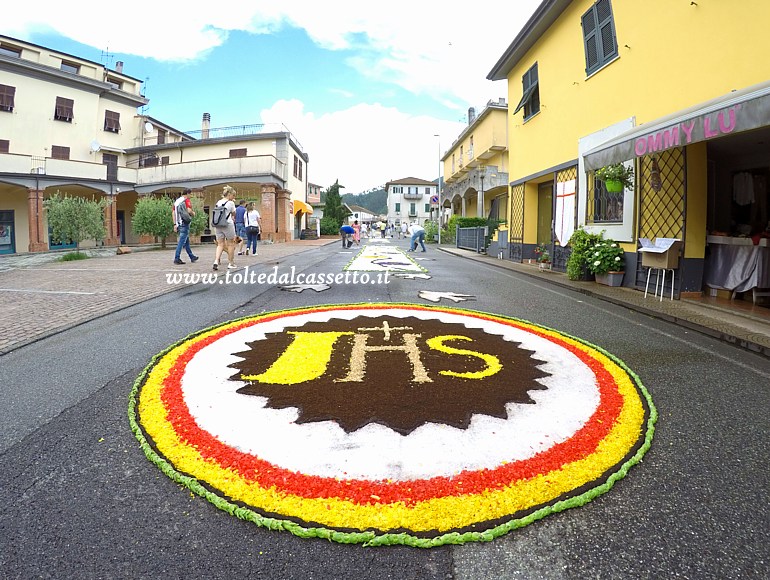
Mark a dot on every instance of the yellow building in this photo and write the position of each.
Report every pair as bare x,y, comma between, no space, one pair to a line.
73,126
476,165
674,89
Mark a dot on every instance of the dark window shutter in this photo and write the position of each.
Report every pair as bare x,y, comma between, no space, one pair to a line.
599,35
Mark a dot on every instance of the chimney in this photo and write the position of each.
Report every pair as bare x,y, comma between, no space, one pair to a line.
471,115
119,66
205,125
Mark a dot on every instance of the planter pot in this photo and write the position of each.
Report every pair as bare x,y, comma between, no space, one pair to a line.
613,186
544,265
610,278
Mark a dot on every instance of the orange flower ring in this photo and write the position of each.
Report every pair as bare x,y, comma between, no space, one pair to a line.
584,420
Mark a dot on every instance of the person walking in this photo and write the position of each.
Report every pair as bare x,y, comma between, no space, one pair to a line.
383,226
403,230
182,213
225,230
240,225
418,234
253,227
356,233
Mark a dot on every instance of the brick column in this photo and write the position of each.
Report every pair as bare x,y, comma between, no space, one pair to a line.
284,233
111,221
37,241
267,212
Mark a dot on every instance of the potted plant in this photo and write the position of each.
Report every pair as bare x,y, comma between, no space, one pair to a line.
616,177
543,257
607,263
580,243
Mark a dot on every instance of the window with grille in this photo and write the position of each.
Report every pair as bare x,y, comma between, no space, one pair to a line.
603,206
59,152
111,121
5,146
237,153
64,109
601,46
530,98
7,96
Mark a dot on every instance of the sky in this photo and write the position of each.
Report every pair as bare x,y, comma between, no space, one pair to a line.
363,87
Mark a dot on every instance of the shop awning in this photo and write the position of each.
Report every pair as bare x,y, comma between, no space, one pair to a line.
301,206
738,111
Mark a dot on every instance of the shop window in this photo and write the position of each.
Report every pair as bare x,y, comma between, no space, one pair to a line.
59,152
7,236
237,153
599,38
5,146
7,97
604,206
111,121
64,109
530,98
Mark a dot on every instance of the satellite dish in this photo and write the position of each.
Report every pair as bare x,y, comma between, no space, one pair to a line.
95,146
148,128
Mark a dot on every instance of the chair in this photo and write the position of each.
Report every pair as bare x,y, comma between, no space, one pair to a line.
658,271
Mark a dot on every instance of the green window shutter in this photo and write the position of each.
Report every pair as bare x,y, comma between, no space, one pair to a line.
427,208
599,36
398,207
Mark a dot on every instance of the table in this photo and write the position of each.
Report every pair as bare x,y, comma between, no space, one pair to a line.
737,265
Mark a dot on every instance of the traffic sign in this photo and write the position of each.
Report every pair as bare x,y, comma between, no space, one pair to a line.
434,199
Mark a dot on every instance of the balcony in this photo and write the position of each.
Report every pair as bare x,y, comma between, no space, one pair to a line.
413,195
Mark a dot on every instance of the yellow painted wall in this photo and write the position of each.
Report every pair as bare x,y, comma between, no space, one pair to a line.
697,200
672,55
489,131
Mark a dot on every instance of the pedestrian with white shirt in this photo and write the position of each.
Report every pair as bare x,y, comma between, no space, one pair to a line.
225,230
253,227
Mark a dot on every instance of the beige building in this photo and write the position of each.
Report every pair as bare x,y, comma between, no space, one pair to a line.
476,165
74,126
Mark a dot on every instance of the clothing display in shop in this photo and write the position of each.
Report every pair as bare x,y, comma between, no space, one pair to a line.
743,188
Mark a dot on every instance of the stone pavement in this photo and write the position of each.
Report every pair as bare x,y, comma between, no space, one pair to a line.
40,296
748,330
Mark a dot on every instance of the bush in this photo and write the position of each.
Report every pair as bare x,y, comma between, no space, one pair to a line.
606,256
74,219
581,244
153,217
431,230
329,226
72,256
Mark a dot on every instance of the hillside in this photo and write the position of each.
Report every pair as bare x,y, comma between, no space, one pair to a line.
375,201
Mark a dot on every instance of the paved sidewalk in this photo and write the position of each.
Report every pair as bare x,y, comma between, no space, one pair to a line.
40,296
745,330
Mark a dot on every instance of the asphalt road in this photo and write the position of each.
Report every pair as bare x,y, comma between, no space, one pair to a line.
80,500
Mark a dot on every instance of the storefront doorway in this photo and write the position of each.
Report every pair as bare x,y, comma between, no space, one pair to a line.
7,233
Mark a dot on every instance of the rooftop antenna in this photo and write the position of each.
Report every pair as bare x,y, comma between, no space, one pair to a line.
107,57
143,92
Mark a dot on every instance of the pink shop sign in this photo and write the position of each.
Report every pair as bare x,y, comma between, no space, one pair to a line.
690,131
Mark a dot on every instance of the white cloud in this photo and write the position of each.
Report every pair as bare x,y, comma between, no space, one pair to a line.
426,47
432,48
362,145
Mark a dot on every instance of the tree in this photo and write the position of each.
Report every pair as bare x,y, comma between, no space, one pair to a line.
74,219
200,220
333,208
153,217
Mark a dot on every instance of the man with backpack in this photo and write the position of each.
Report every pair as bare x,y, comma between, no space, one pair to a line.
223,220
182,213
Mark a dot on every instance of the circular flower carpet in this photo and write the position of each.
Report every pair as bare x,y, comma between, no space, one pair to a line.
391,423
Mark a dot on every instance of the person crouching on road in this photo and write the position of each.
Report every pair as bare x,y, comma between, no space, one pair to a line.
418,234
345,232
226,233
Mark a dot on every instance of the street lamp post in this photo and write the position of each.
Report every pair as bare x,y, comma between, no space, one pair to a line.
439,189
